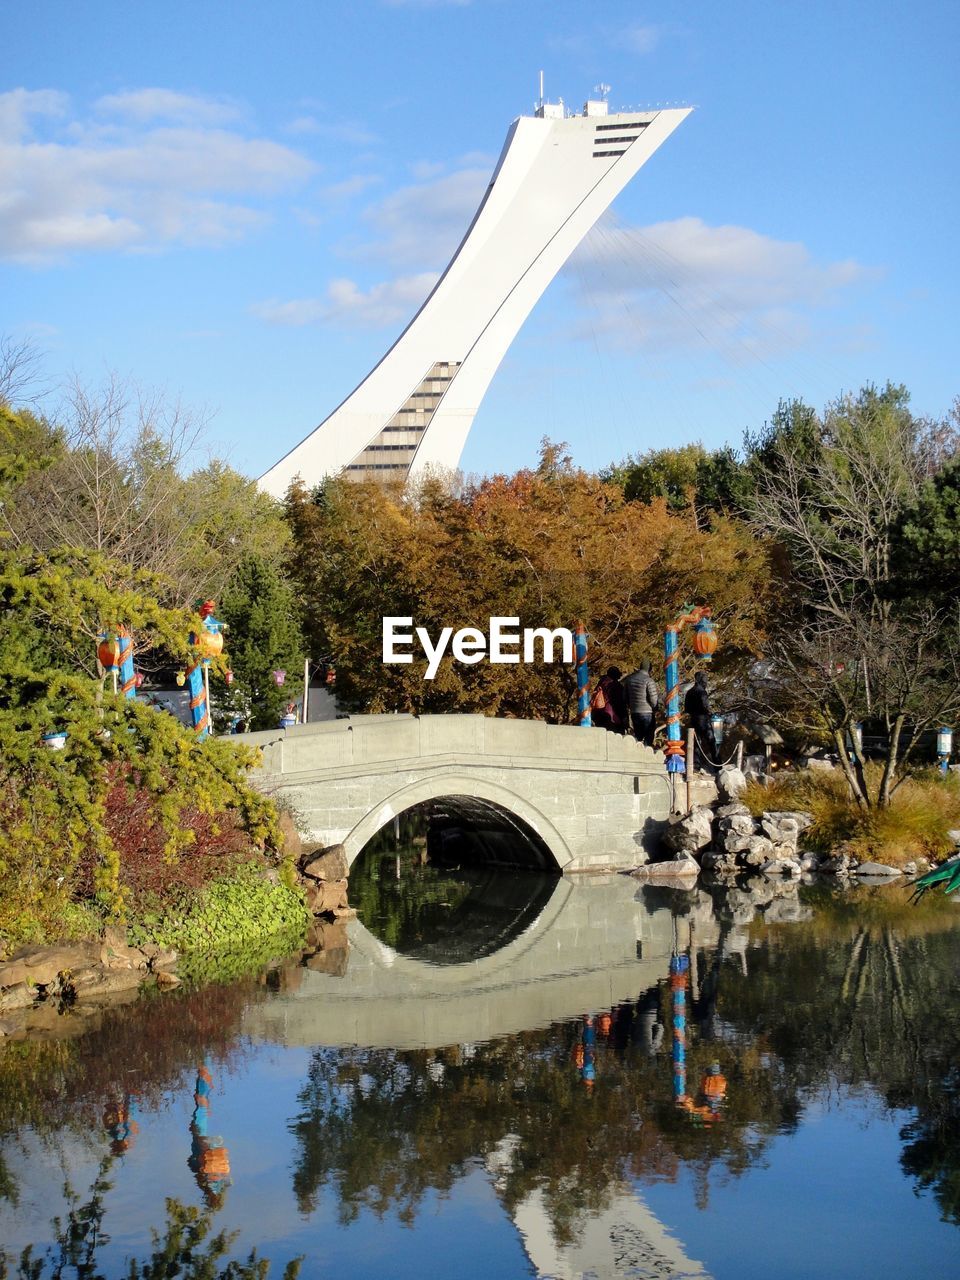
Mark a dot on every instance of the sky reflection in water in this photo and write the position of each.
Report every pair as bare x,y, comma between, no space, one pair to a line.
831,1148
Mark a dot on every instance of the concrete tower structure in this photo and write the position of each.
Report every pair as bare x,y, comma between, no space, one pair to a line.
556,174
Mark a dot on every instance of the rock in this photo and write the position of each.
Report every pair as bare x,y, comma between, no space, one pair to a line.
733,842
815,764
955,837
292,844
799,817
909,868
759,850
732,810
739,823
347,913
167,980
329,895
41,965
331,864
877,871
837,865
103,984
730,782
115,953
718,861
809,862
19,995
333,962
159,957
781,867
691,831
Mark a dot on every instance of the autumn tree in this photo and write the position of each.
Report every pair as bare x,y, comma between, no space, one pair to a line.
550,546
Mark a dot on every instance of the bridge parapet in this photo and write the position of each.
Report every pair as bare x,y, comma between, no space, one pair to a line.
597,800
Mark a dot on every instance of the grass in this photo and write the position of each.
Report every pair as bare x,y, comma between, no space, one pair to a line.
922,811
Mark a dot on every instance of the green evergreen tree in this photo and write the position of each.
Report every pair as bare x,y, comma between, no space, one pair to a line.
263,636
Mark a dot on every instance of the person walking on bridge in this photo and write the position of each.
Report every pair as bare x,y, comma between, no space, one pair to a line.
642,699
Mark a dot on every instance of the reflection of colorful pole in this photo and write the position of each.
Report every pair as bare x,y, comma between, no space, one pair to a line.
128,683
209,1158
119,1120
583,677
588,1071
679,965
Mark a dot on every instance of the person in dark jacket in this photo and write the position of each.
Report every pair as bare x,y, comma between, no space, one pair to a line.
608,707
697,706
642,699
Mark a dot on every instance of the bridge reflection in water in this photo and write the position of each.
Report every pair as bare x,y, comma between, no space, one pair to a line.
572,945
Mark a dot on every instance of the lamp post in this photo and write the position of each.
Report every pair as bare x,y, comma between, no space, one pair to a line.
705,644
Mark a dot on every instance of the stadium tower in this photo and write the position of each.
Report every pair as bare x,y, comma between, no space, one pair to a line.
556,174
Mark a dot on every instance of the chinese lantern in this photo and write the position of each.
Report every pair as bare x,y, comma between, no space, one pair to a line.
181,678
138,679
228,676
705,639
279,677
210,643
108,651
206,609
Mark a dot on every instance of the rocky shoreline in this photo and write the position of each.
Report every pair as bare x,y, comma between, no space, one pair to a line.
41,984
728,840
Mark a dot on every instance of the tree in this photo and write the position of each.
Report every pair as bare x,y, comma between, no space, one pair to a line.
832,492
550,546
263,635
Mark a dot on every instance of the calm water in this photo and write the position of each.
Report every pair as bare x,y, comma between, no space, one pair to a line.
518,1077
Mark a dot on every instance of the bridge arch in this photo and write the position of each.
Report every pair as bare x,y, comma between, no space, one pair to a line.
440,785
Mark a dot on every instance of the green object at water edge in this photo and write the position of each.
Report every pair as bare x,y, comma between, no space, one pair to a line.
947,874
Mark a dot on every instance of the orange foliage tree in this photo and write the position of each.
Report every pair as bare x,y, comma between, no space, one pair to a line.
551,546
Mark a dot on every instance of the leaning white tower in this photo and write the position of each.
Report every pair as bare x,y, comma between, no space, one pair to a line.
556,174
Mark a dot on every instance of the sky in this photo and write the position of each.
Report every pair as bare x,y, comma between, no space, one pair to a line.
242,205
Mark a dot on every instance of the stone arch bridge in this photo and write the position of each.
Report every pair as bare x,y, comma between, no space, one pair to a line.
588,800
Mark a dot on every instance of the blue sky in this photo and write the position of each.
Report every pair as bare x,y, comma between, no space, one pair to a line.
243,204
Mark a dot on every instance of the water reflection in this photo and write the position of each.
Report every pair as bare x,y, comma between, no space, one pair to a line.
724,1056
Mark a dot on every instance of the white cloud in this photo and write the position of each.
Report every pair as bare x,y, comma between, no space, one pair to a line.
421,225
390,303
79,185
639,38
141,106
350,132
676,284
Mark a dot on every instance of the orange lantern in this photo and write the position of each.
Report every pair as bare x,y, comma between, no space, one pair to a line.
210,643
705,639
108,651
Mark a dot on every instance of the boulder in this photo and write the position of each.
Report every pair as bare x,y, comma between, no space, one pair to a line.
877,871
330,864
739,823
19,995
719,861
735,841
796,817
116,953
732,810
809,862
688,832
730,782
759,850
328,895
823,765
40,966
781,867
836,865
292,844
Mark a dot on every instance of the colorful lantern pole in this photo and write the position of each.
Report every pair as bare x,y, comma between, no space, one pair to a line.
583,677
209,644
705,644
128,680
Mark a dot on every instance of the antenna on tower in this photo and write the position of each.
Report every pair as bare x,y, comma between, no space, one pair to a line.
541,88
601,90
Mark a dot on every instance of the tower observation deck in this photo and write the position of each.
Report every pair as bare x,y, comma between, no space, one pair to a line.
556,175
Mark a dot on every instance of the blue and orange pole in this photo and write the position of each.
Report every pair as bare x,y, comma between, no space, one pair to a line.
583,677
128,682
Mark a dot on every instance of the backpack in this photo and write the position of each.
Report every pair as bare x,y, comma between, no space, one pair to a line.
599,700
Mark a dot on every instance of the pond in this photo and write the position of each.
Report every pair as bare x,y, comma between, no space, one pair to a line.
516,1075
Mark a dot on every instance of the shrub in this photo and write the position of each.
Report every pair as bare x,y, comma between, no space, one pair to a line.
923,811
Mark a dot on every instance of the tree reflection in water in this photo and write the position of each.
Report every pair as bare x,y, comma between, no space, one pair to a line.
854,996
